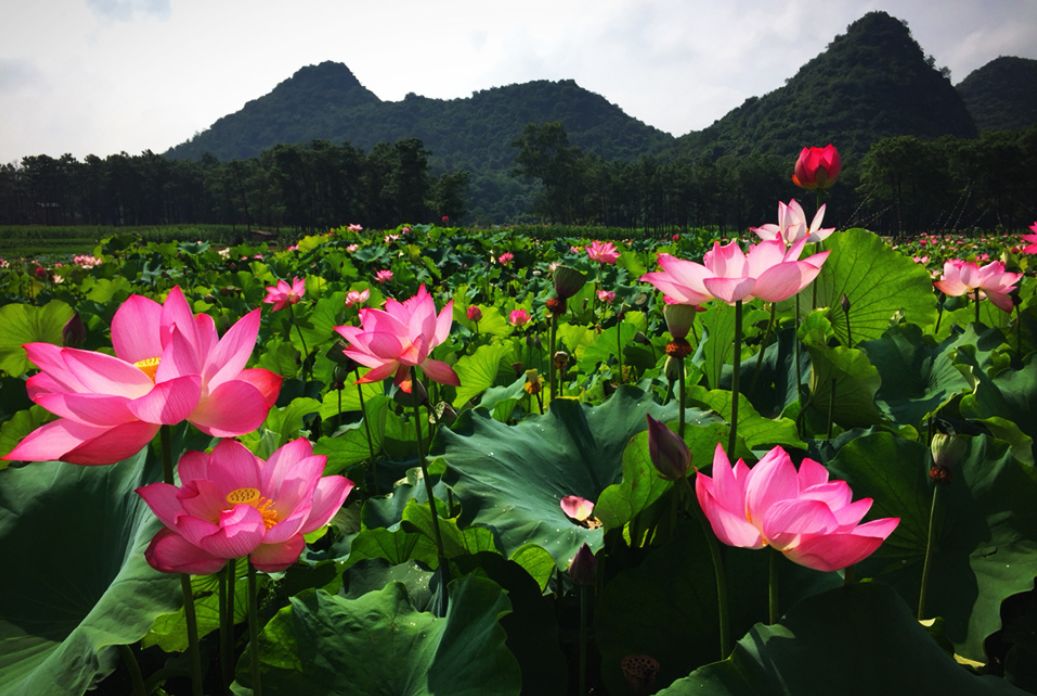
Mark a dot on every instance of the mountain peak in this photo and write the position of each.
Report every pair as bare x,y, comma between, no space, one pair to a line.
1002,94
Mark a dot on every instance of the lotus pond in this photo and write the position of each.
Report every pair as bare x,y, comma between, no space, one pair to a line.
434,460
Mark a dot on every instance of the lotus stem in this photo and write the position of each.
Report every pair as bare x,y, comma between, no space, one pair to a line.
977,305
763,347
165,437
927,563
619,344
253,631
551,355
583,591
305,349
681,396
732,437
772,587
133,667
227,581
367,425
437,534
795,353
719,576
939,314
831,406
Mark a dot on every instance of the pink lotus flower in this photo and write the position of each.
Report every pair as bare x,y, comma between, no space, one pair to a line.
576,508
405,229
817,167
602,252
354,297
355,228
352,248
518,317
506,258
575,249
792,225
920,259
389,238
283,294
473,313
808,518
1031,248
383,276
769,271
86,261
963,277
393,340
606,296
231,504
675,237
169,365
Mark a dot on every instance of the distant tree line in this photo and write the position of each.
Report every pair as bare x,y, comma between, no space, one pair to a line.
903,184
312,186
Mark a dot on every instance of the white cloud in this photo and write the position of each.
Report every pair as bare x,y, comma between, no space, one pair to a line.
125,10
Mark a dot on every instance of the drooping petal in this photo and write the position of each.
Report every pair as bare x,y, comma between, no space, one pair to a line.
79,443
168,552
272,558
441,372
831,552
377,373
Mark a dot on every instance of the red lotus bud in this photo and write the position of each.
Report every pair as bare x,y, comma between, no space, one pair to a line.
668,452
584,566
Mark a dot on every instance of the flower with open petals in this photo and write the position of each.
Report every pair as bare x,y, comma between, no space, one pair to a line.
355,228
812,521
283,294
383,276
355,297
817,167
169,366
506,258
606,296
769,271
518,317
1031,239
993,281
602,252
792,225
232,504
393,340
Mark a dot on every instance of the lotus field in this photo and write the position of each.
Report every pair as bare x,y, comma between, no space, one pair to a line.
438,460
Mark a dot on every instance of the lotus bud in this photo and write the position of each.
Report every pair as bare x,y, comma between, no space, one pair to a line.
844,302
668,452
474,313
584,566
567,281
679,318
672,369
339,377
948,450
446,413
74,332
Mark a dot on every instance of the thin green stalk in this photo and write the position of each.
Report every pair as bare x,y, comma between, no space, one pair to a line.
939,314
737,358
929,545
719,576
795,353
253,630
619,345
367,424
133,667
681,396
227,580
772,587
584,620
165,437
440,549
977,305
551,355
763,347
305,349
831,407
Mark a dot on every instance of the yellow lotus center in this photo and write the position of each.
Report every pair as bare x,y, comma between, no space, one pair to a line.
148,366
251,496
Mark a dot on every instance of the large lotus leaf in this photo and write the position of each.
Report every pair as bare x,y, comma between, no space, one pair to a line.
21,324
878,281
861,639
379,645
754,429
76,583
844,380
718,326
512,478
1009,398
918,375
986,533
488,366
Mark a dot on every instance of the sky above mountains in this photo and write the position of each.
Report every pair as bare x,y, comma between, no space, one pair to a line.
101,76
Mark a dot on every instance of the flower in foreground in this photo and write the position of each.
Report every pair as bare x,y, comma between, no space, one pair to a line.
518,317
964,277
792,225
283,294
812,521
769,271
355,297
399,337
169,365
383,276
603,252
473,313
817,167
232,504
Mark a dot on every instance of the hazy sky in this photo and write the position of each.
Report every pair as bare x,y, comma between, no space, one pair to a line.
100,76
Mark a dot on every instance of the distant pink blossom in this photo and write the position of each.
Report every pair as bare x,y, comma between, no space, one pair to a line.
606,296
354,297
602,252
405,229
1031,247
802,514
576,249
518,317
283,294
965,278
920,259
506,258
293,247
86,261
352,248
383,276
391,238
355,228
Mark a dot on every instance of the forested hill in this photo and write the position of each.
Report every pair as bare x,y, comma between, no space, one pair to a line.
327,102
1002,95
871,82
